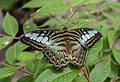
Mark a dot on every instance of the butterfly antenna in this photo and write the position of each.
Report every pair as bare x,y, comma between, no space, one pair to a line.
71,16
58,20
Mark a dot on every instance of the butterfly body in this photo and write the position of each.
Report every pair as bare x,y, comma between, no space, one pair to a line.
62,47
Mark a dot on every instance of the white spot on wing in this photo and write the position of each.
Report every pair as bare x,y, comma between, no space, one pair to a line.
84,32
44,40
36,36
49,42
39,38
27,34
84,38
33,36
95,31
82,41
91,33
42,34
88,36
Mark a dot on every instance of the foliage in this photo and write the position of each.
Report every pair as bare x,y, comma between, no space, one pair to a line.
102,59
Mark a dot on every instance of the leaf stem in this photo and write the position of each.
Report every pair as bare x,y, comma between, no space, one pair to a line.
7,65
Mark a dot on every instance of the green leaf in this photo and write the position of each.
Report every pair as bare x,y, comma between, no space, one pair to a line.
82,24
43,64
50,76
104,29
77,2
114,33
111,37
5,72
26,79
93,53
55,22
103,7
7,79
12,52
114,5
25,56
114,71
80,78
112,16
31,66
51,6
6,5
34,4
10,24
28,26
0,45
101,71
117,24
4,41
64,78
83,2
116,54
39,55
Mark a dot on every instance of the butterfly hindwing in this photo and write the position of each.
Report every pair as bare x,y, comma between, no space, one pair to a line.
57,57
79,56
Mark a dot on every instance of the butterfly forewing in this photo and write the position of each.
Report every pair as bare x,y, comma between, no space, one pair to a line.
40,39
88,36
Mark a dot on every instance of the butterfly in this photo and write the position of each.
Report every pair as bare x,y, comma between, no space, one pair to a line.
62,47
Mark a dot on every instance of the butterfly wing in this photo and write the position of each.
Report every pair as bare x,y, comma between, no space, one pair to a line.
88,36
79,56
39,39
56,56
43,40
